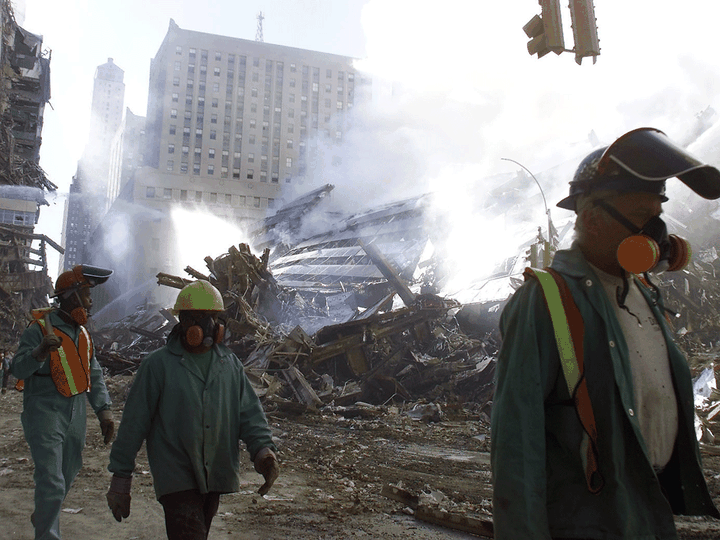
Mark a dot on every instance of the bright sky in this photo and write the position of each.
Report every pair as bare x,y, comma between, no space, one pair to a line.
467,93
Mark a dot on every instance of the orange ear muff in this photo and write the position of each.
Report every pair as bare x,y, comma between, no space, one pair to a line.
79,315
638,253
194,336
219,333
680,253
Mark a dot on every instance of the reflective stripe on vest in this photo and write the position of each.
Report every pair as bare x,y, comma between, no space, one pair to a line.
563,337
66,367
70,364
569,334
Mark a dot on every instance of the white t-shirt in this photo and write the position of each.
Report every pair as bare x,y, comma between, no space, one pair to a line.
655,399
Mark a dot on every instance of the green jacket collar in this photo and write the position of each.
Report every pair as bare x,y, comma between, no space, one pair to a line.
572,262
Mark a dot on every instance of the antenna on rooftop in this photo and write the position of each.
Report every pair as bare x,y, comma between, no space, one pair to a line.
259,34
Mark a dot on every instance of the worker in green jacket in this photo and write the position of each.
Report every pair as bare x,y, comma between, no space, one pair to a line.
192,402
639,462
56,360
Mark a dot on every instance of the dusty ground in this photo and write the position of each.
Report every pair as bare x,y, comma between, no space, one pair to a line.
332,472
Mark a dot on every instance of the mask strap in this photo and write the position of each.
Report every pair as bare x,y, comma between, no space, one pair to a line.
621,295
656,291
617,215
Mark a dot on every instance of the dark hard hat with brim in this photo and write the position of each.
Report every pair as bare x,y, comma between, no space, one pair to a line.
641,161
80,276
95,275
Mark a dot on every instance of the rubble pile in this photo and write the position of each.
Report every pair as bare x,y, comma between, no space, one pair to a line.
373,343
121,346
707,399
415,352
693,296
12,321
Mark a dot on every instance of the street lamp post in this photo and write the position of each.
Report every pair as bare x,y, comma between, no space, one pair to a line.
547,210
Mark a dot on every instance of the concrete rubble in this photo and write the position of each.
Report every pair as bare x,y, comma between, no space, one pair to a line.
345,333
412,353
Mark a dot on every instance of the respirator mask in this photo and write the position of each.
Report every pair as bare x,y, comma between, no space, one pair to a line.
650,248
79,314
204,331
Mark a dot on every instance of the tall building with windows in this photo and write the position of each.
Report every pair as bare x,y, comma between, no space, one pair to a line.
230,121
126,154
106,112
106,118
76,224
86,203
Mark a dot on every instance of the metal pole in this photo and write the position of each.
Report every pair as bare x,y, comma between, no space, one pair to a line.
547,210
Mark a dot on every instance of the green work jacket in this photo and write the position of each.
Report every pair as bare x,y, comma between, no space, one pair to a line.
192,426
539,487
39,386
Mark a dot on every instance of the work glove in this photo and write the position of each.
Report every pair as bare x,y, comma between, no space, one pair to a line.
266,464
107,425
49,343
118,497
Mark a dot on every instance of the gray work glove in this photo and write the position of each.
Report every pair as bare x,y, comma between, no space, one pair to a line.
266,464
107,425
49,343
118,497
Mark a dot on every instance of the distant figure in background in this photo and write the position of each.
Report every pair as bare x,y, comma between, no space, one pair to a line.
192,402
56,360
593,418
6,371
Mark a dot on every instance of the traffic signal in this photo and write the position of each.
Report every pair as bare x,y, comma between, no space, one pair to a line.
584,25
546,31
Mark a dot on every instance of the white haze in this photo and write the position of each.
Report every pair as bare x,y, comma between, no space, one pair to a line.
466,94
199,234
455,92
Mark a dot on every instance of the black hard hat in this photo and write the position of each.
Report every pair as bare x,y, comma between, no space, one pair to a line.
641,161
80,276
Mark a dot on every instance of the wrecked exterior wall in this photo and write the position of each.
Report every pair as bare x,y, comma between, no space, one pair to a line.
24,90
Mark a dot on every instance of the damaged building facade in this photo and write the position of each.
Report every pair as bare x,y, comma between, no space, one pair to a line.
24,91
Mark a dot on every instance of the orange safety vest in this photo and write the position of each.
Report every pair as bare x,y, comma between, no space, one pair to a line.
70,364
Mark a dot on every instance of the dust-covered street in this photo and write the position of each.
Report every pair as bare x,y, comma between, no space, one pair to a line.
333,471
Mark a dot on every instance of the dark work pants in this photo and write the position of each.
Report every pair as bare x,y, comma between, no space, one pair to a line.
188,514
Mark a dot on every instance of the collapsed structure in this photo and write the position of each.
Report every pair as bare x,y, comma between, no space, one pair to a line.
349,312
24,90
372,355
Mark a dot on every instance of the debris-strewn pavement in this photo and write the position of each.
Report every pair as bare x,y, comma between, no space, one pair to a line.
334,484
382,413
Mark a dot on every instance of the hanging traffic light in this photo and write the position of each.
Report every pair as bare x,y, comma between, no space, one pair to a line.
545,32
584,25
